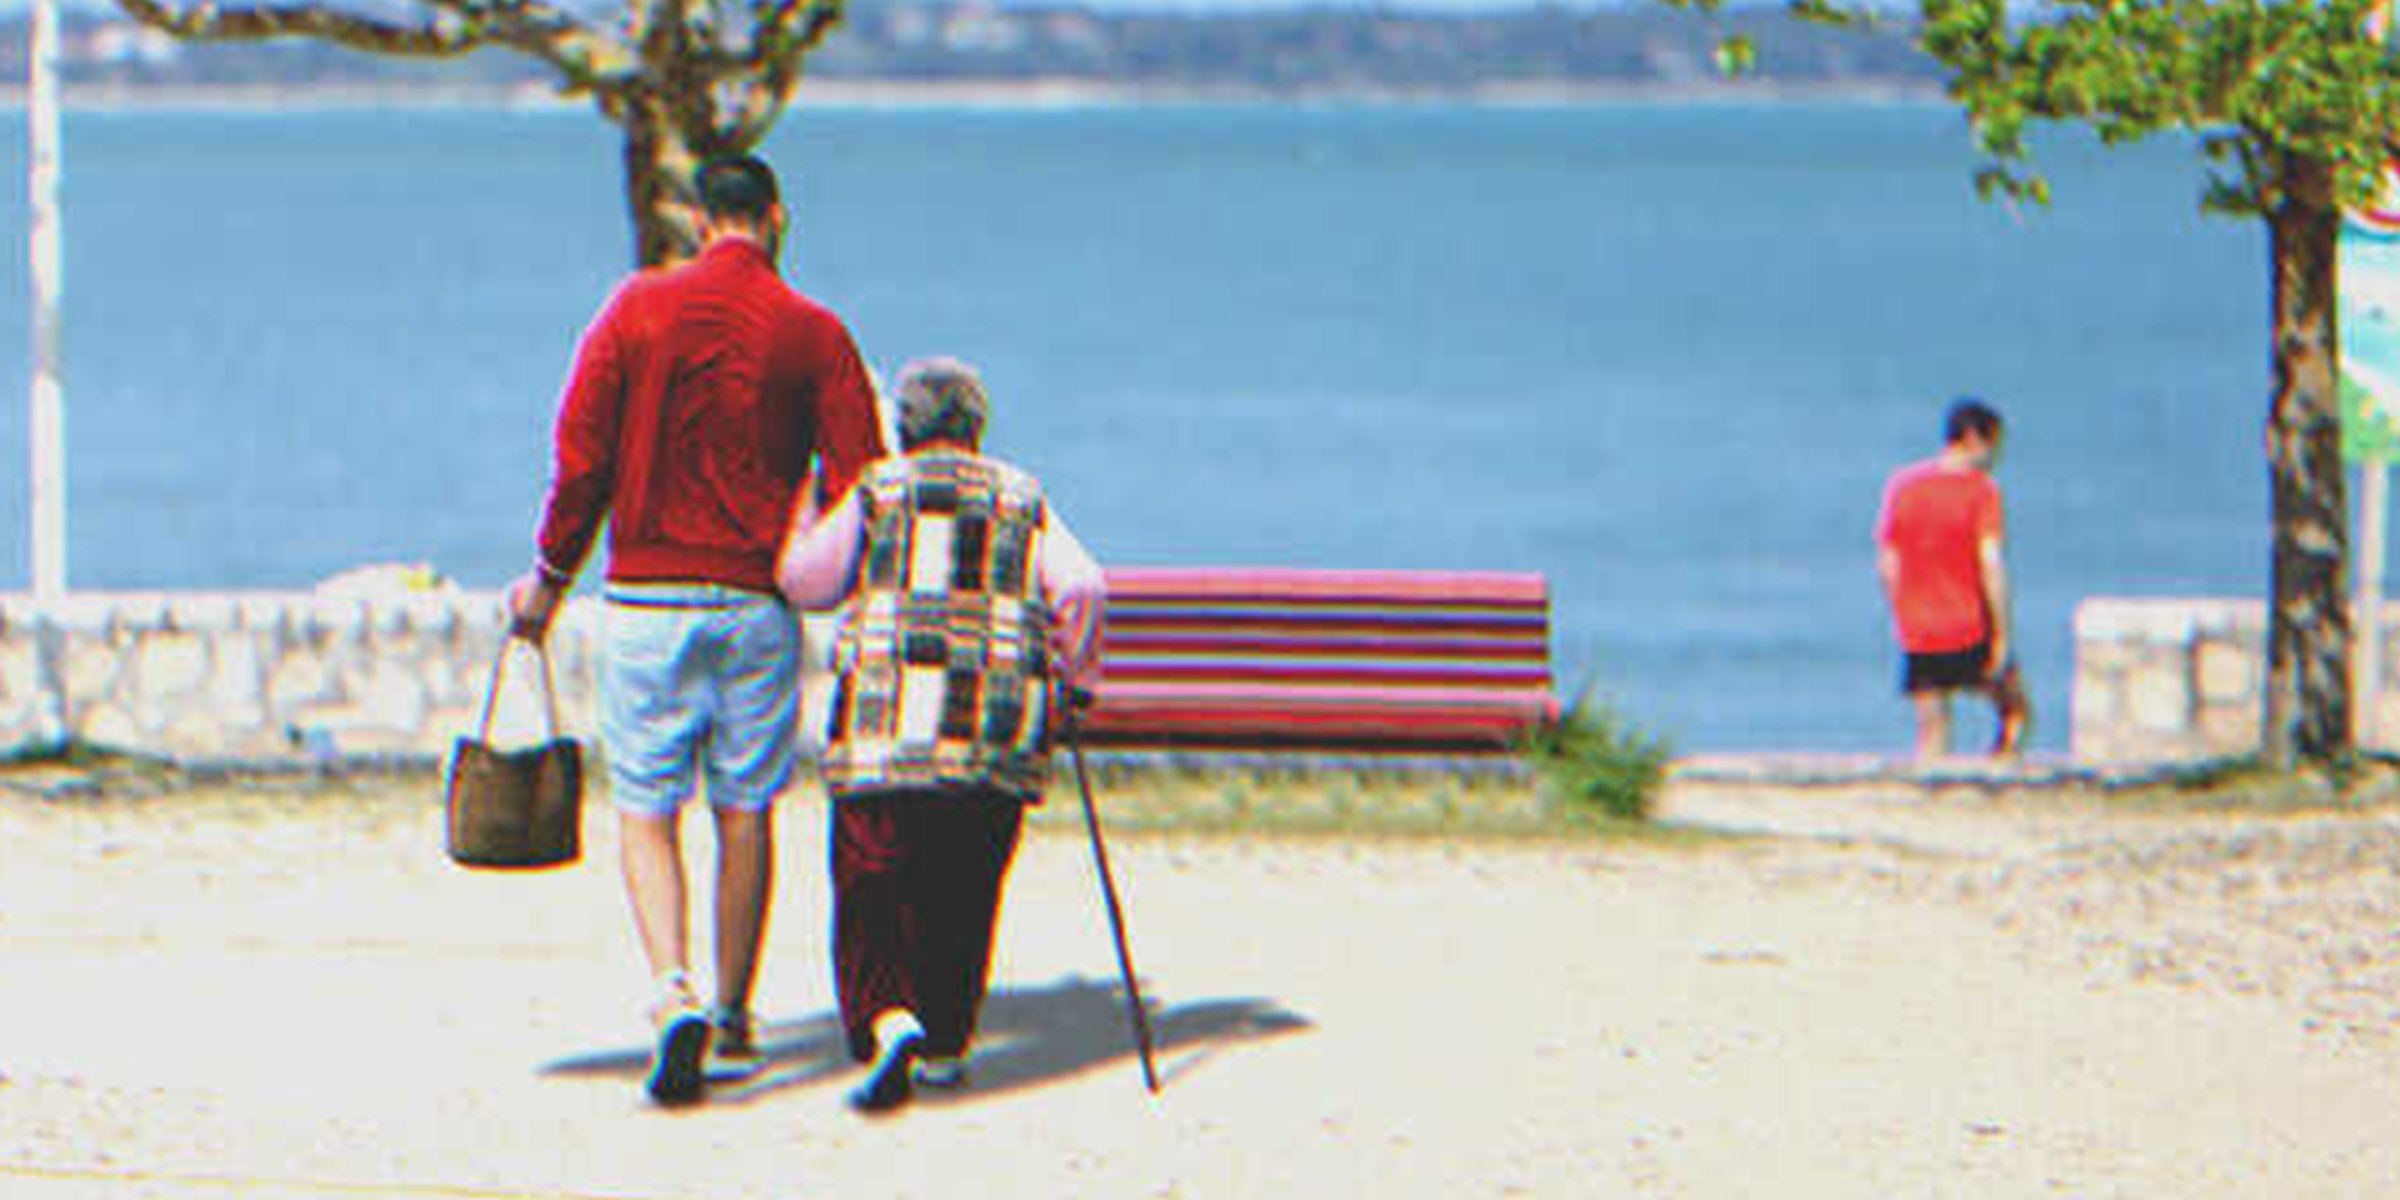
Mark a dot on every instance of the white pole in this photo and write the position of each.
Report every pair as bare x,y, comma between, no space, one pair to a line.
2366,617
47,434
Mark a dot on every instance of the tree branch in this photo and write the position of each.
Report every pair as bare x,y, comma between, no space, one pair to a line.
785,32
586,56
786,26
210,23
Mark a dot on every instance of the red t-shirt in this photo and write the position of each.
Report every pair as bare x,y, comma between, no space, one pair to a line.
1935,519
699,398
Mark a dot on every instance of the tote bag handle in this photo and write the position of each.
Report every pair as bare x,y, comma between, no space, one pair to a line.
491,695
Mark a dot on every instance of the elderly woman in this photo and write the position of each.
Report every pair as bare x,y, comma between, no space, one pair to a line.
969,610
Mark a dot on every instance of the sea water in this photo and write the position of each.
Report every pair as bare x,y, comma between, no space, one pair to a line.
1663,354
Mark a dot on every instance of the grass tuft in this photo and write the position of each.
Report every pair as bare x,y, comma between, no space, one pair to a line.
1598,763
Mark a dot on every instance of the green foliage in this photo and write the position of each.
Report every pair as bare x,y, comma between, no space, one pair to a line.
1594,758
1737,55
2268,84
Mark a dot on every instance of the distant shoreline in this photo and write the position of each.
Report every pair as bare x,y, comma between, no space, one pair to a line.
999,95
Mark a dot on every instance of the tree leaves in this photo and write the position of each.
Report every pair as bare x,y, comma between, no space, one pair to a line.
2305,79
1736,56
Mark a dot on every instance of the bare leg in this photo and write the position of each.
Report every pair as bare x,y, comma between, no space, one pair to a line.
651,851
1933,723
745,881
2012,711
652,855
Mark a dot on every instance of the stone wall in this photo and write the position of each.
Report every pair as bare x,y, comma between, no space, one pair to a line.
275,676
278,676
2181,679
2166,678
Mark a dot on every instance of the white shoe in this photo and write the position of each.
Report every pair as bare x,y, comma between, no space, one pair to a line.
898,1038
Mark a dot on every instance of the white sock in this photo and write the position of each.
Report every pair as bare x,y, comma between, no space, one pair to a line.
893,1024
675,989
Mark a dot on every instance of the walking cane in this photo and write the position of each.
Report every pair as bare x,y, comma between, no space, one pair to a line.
1077,700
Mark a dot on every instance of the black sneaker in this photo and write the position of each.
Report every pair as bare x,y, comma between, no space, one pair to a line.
733,1053
942,1074
889,1084
675,1074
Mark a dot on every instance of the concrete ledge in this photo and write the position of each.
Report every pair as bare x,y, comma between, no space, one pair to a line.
2162,619
1804,771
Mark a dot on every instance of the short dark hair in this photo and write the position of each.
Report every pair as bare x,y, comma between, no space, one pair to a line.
1969,415
738,187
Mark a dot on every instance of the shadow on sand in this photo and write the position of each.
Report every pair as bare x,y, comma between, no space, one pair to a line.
1027,1037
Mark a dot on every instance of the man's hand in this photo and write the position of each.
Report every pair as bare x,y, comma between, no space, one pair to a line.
532,604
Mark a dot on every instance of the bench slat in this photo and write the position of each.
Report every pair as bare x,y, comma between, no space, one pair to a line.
1126,696
1308,586
1126,647
1333,674
1471,726
1532,625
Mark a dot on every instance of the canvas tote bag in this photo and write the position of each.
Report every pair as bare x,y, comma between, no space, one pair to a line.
521,808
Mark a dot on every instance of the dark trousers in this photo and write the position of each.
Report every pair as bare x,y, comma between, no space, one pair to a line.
917,875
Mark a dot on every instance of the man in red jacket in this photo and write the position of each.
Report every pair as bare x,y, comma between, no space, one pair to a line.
1938,549
699,398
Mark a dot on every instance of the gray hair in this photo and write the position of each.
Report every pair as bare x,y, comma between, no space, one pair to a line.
941,399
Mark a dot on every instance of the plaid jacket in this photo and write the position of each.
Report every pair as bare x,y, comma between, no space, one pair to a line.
943,655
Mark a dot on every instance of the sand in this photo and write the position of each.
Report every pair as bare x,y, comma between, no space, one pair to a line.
1869,993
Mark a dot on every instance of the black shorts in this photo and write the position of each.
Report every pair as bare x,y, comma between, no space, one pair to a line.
1948,671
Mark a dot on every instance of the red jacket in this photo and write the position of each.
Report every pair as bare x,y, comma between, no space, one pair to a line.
699,397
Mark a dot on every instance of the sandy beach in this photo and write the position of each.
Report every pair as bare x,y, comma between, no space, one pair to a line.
1875,991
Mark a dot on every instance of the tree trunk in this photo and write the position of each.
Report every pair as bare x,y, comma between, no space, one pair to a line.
658,184
659,161
2307,705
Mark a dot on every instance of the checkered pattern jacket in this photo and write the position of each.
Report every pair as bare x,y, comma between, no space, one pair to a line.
943,656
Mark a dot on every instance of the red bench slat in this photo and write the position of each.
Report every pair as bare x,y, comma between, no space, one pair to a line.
1268,658
1309,586
1125,615
1135,715
1473,727
1128,695
1124,647
1304,673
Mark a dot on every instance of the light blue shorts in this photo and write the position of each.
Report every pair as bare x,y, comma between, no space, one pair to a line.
697,678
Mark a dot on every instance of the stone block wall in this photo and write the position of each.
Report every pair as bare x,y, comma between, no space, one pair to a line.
285,676
2167,679
276,676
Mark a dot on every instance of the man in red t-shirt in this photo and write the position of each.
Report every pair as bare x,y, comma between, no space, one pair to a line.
702,397
1938,549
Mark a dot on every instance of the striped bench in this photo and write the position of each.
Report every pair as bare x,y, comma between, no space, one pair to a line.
1326,661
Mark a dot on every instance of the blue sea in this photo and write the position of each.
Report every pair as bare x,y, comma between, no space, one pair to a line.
1664,355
